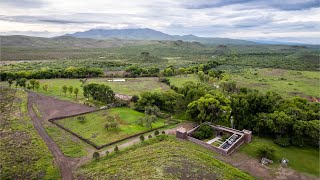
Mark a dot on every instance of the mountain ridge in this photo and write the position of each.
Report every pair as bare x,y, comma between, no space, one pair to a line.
151,34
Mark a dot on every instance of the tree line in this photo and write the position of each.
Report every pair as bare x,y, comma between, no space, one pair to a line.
71,72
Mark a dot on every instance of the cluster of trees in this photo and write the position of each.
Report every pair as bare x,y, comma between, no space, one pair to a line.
99,92
288,121
71,90
71,72
165,101
32,84
136,71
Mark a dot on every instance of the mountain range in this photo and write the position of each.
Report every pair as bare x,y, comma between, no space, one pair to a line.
150,34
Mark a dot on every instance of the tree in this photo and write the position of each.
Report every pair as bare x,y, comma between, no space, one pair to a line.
150,119
70,89
64,89
156,133
32,83
210,108
116,149
45,87
203,132
10,81
37,85
151,110
96,155
141,138
21,82
76,91
99,92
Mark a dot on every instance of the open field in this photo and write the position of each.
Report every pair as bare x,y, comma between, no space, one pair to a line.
93,126
180,80
132,86
305,160
166,159
284,82
24,155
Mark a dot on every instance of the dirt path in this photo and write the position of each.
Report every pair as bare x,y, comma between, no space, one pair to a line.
65,164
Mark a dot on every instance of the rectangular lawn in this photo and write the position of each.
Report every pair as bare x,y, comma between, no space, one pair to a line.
93,126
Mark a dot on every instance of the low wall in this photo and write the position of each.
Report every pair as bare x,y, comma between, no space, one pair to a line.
208,146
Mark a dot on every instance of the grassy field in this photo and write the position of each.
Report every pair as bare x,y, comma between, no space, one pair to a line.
285,82
180,80
304,160
132,86
69,145
93,127
24,155
163,157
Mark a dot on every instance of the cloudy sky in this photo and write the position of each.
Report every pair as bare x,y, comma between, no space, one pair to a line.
280,20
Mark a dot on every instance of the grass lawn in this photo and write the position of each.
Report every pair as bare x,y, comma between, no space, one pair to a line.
285,82
93,127
162,157
69,145
180,80
132,86
304,160
24,155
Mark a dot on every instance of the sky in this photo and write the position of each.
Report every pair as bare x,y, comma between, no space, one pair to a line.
270,20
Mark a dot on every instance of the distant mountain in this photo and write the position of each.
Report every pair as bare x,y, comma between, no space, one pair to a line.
150,34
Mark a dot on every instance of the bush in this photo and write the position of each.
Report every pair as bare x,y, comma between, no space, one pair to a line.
150,136
203,132
135,98
282,141
141,138
163,132
95,155
116,149
156,133
81,119
266,152
107,153
225,137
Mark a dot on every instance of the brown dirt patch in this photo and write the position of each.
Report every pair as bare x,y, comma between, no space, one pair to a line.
53,108
274,72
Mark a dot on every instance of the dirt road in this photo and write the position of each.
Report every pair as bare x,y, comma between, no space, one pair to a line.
65,164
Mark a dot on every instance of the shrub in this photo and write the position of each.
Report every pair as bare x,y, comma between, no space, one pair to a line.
107,153
203,132
81,119
95,155
150,136
163,132
135,98
282,141
266,152
141,138
156,133
116,149
225,137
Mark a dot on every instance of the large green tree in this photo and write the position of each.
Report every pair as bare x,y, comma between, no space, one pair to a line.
211,107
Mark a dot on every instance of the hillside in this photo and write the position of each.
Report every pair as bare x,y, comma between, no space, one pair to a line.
166,159
150,34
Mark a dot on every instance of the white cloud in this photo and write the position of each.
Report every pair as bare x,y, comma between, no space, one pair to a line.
235,20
